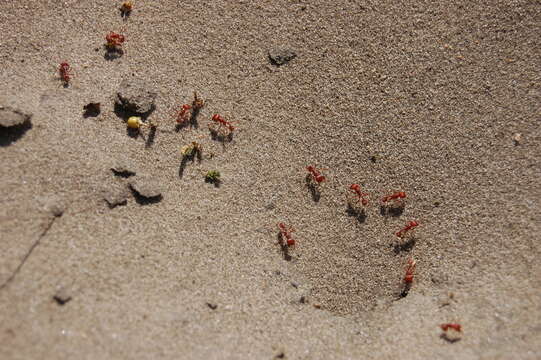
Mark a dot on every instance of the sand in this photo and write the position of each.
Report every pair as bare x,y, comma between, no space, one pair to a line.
417,96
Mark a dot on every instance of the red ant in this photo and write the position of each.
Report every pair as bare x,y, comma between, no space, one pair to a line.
408,278
359,195
405,230
114,40
286,231
396,198
316,174
455,327
224,125
184,114
188,112
64,71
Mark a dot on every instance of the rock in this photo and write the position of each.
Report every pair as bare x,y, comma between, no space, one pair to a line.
53,205
147,188
11,117
281,56
123,168
115,196
136,96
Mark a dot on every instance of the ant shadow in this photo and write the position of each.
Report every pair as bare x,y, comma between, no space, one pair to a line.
220,137
404,291
313,188
185,159
391,211
284,247
150,139
9,135
112,53
358,214
404,247
451,340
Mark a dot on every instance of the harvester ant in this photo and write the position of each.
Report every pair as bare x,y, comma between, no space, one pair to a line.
408,278
221,127
456,332
64,71
285,234
315,174
408,230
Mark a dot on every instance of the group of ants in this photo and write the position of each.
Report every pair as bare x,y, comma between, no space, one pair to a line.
357,200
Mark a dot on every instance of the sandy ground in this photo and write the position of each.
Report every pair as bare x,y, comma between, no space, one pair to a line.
422,96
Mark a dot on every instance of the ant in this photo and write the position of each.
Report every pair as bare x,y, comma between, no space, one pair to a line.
285,232
64,71
359,195
457,330
126,8
189,112
405,231
396,198
184,114
220,125
408,278
316,174
114,41
455,327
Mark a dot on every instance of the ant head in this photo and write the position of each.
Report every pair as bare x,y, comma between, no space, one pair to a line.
355,187
216,117
402,194
290,242
320,178
186,107
310,168
413,223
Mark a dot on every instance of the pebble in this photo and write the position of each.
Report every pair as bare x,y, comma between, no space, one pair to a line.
136,96
115,196
13,117
281,56
62,296
146,187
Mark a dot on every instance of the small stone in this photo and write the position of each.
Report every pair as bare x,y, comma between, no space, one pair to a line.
53,205
115,196
123,168
12,117
136,96
62,296
147,187
281,56
517,139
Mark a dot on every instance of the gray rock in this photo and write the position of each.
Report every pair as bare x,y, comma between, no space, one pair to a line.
281,56
115,196
136,96
13,117
146,187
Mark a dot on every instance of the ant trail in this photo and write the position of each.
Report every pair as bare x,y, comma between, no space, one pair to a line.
28,253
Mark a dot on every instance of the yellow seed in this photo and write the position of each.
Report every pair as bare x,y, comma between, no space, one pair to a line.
134,122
